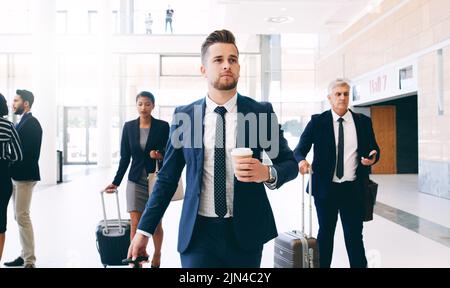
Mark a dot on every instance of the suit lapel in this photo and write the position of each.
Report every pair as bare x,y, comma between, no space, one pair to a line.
23,120
329,130
153,131
356,119
200,152
242,139
137,131
242,109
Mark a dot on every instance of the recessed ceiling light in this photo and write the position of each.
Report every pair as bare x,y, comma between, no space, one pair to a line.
279,19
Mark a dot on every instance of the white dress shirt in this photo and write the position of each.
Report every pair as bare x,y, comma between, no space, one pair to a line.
207,207
350,146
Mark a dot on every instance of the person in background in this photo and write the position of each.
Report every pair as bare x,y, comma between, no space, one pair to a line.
143,141
148,24
10,151
344,149
169,18
25,175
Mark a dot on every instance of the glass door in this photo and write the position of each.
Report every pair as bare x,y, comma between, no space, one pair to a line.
80,142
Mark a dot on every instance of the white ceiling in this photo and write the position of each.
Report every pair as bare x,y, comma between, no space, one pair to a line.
308,16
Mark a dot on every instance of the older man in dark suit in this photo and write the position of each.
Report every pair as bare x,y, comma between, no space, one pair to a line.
344,149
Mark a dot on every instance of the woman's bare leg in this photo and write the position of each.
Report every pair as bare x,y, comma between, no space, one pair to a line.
135,217
2,244
157,241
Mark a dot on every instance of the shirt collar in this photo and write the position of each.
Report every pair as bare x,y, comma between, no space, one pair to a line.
230,105
347,116
25,115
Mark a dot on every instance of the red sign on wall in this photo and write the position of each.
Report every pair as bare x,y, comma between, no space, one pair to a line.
378,84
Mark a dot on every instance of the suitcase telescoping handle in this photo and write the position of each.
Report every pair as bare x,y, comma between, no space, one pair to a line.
303,202
106,230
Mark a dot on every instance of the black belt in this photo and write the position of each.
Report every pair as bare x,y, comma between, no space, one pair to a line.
344,183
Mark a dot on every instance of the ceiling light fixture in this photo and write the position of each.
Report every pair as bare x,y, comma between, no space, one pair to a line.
279,19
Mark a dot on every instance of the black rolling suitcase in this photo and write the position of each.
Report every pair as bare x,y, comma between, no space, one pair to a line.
296,249
113,237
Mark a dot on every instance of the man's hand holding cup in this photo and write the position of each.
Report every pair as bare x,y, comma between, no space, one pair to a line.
248,169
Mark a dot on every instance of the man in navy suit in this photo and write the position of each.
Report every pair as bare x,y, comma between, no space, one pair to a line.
344,149
25,175
226,216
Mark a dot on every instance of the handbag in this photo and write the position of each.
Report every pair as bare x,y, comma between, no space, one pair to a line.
370,189
179,193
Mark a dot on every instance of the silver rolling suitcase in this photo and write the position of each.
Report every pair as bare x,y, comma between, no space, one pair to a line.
296,249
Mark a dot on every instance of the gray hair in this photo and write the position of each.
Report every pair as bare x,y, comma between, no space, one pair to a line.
338,83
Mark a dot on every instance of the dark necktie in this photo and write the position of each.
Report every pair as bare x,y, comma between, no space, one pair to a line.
340,155
220,200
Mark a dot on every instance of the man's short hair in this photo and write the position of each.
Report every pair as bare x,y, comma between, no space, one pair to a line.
146,94
26,96
218,36
3,106
339,82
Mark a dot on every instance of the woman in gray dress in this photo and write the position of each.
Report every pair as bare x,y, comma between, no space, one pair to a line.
143,141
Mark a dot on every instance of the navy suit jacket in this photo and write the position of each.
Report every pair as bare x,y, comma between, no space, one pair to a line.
320,132
253,219
131,148
30,134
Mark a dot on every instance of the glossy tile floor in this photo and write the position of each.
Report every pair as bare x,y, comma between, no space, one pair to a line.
410,229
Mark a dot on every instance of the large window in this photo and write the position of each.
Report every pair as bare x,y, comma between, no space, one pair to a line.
3,74
15,73
93,25
61,22
82,16
180,65
15,17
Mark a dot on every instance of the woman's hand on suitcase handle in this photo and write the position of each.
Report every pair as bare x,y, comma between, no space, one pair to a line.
303,167
138,246
111,188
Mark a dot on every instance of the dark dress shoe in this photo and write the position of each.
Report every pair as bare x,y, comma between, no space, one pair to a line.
16,263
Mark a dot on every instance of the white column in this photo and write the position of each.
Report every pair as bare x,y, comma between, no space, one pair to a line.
104,107
126,16
44,83
251,77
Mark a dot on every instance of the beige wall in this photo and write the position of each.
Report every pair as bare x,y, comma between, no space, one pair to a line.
414,27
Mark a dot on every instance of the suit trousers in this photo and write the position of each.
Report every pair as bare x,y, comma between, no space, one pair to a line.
213,245
346,199
22,192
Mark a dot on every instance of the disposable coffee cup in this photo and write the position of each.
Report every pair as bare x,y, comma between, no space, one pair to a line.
240,153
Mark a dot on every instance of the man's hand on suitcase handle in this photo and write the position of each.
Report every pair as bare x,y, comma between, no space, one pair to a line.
138,248
303,167
135,262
